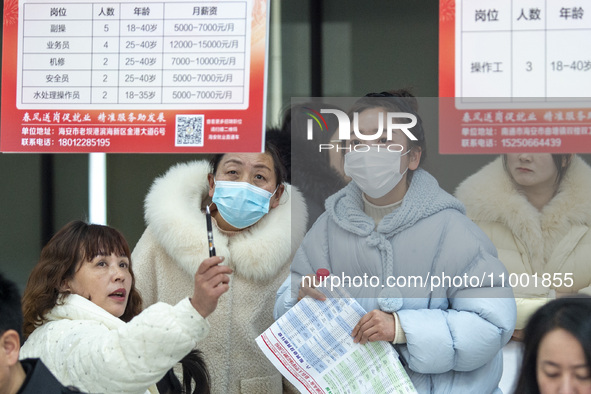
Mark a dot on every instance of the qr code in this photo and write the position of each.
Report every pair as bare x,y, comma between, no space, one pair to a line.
189,130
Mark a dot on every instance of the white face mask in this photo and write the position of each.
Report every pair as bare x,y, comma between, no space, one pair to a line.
376,172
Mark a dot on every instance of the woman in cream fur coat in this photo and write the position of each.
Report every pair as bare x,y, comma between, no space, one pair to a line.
536,208
175,242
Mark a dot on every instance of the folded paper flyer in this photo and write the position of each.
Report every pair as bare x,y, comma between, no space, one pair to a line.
311,345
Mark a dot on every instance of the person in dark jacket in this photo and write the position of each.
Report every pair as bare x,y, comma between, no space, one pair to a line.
318,174
28,376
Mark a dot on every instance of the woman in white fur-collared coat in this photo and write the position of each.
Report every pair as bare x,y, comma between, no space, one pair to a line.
553,237
536,208
175,242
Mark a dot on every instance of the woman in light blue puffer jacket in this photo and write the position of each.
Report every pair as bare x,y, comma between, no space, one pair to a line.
437,291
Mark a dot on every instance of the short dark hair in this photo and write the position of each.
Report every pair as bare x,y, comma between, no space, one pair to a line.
276,146
572,314
11,315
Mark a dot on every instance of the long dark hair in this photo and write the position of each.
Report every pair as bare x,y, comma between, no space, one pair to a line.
562,163
194,369
570,314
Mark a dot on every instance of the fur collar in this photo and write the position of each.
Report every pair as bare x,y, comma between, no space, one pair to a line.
490,196
173,212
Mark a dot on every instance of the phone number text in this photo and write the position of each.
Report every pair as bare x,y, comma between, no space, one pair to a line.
531,142
90,142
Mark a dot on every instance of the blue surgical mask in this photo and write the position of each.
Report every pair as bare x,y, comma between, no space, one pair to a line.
240,203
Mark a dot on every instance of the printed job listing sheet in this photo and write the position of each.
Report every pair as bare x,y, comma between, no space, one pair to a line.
311,345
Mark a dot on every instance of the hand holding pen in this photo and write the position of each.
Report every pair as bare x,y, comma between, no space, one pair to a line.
209,232
211,279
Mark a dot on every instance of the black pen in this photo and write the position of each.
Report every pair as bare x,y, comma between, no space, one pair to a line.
209,232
